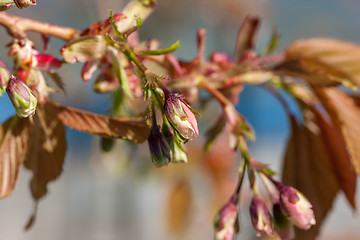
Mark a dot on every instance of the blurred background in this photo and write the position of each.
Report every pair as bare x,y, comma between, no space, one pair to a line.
121,195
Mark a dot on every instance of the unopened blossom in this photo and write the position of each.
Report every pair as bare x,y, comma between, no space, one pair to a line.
261,217
159,147
24,3
181,116
296,207
6,6
227,222
22,98
22,51
26,57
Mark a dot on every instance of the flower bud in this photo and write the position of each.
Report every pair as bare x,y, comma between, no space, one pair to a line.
261,217
227,222
296,207
22,50
159,148
6,6
181,116
21,97
4,77
24,3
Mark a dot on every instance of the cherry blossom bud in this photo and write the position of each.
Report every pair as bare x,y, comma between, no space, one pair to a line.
24,3
159,148
22,50
261,217
4,77
6,6
181,116
22,97
227,222
296,207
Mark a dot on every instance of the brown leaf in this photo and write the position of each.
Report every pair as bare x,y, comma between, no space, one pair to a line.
323,61
339,157
14,138
346,116
178,207
307,167
128,128
246,37
46,153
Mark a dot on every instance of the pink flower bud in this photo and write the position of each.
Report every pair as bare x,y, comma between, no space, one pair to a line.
24,3
296,207
6,6
22,98
181,116
261,217
227,222
22,50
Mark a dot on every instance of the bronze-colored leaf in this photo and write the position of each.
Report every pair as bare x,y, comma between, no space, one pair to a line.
246,37
14,139
323,61
46,153
128,128
307,167
178,207
339,157
346,116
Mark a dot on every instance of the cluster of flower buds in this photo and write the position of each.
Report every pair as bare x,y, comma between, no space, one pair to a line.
93,48
290,207
167,145
28,66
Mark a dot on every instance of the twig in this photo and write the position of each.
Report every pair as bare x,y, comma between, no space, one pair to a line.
18,26
215,93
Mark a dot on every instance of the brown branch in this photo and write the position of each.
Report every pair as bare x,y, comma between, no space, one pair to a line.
215,93
18,26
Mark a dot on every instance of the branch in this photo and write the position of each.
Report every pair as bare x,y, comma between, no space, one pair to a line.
18,26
